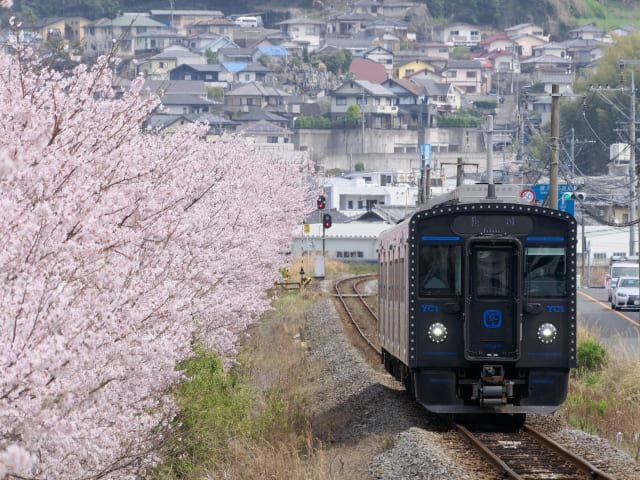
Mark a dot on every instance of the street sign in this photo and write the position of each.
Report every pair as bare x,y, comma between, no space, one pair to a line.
528,195
541,190
425,154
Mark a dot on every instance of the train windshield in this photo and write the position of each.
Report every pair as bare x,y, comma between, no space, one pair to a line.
493,271
440,270
545,272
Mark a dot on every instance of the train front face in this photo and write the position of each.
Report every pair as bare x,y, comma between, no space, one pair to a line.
492,308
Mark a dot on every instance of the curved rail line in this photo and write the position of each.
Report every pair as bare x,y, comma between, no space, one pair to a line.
353,282
528,454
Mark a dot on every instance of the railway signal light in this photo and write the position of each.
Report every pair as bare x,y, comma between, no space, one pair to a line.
321,202
326,220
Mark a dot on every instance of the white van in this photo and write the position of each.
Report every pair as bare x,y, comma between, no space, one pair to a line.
620,268
247,22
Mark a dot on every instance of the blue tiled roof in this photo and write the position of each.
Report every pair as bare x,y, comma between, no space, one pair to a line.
273,50
235,66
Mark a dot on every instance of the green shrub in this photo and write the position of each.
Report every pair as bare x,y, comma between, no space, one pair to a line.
592,357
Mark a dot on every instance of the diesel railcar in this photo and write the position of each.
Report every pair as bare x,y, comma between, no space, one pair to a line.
477,303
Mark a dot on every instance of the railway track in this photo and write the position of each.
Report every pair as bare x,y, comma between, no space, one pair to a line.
361,313
518,454
528,454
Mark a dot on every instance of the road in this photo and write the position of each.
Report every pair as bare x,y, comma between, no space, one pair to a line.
619,331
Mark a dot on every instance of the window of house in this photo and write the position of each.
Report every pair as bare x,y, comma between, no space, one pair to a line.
471,74
350,205
153,43
360,204
452,73
187,76
247,77
208,76
272,139
250,101
309,31
341,101
378,122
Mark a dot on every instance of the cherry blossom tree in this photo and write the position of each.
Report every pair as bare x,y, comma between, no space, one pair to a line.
120,248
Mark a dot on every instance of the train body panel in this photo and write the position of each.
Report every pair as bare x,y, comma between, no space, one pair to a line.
477,306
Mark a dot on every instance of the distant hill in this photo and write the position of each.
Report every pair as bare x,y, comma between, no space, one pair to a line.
555,16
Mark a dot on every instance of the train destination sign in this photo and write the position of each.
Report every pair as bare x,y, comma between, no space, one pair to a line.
492,225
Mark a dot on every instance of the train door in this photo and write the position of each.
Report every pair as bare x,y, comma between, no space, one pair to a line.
493,299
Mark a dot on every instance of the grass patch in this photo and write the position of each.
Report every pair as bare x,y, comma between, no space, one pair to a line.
604,394
251,421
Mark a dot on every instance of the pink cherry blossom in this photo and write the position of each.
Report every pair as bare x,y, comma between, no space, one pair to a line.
120,247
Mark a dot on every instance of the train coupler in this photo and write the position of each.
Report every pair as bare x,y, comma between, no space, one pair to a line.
493,388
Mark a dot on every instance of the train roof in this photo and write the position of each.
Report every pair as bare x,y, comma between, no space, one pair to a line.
477,193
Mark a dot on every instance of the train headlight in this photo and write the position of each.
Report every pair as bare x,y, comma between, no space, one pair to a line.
437,332
547,333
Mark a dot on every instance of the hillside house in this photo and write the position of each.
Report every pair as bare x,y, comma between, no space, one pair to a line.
406,69
217,26
494,43
182,20
186,104
99,35
265,135
377,103
466,75
305,32
211,75
382,56
458,34
526,43
254,95
157,40
158,66
366,69
526,29
202,42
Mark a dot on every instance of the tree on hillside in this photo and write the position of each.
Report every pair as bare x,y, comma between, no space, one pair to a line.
120,249
602,114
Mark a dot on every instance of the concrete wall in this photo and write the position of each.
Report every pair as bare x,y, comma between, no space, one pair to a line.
389,149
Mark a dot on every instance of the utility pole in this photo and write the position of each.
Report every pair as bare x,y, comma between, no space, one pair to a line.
491,187
632,163
555,141
363,121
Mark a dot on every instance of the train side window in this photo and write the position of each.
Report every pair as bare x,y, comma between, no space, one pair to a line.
545,272
440,270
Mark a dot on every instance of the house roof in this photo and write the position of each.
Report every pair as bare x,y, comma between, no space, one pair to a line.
256,115
301,21
408,85
184,99
192,87
263,126
215,21
546,59
470,64
180,52
256,88
160,32
201,67
367,69
273,50
129,20
375,88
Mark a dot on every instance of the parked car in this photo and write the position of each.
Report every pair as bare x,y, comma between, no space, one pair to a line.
619,268
626,294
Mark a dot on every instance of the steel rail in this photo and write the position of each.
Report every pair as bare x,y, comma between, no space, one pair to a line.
579,462
349,314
